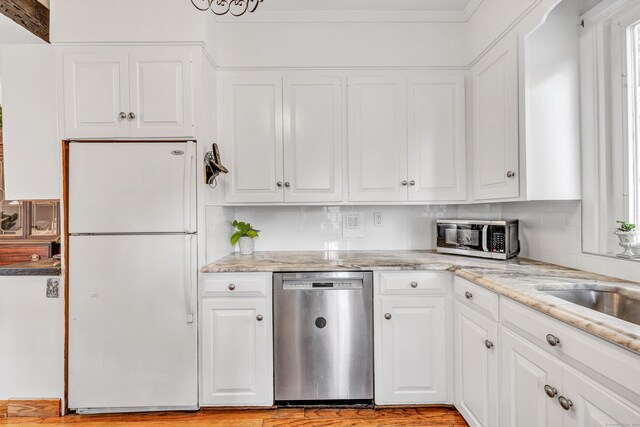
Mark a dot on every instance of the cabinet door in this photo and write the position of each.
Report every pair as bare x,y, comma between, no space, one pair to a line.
96,94
437,155
252,138
525,371
237,362
476,366
377,122
593,405
313,139
160,94
495,123
411,354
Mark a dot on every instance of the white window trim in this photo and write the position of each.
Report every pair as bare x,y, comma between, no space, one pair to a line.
604,107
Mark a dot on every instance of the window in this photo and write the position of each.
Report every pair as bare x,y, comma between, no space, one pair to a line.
610,102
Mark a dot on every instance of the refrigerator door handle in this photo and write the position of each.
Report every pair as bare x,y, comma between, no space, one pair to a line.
188,187
188,277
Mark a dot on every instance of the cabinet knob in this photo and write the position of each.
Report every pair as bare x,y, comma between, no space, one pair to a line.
287,184
123,115
511,174
551,391
553,340
412,182
35,257
279,184
488,344
259,317
565,403
414,284
387,316
231,286
132,116
404,182
468,295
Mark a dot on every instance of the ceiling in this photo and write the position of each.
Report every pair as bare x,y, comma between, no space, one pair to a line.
364,5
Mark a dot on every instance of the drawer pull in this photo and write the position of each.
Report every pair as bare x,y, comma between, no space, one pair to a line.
565,403
387,316
553,340
259,317
468,295
488,344
551,391
414,284
231,286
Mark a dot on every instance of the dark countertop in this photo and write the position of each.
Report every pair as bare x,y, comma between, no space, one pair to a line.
43,267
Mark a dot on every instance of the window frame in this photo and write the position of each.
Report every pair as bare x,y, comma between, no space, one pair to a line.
606,104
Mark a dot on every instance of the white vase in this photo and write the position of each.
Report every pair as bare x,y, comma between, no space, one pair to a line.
246,245
630,241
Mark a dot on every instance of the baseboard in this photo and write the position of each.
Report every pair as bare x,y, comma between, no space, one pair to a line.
41,408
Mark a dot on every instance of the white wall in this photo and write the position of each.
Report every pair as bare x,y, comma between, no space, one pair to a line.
297,228
550,231
31,339
126,21
341,44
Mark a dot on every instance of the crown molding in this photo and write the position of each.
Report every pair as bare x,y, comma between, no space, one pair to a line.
359,16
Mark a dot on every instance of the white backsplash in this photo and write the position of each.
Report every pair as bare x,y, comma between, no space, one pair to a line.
550,231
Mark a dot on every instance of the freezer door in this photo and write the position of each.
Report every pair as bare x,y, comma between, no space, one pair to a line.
132,334
132,187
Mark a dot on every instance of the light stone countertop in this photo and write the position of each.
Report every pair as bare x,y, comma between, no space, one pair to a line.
519,279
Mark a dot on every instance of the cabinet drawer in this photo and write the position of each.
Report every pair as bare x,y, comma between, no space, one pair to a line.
604,361
242,284
477,297
415,282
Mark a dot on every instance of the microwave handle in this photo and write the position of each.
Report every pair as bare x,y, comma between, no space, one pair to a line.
485,246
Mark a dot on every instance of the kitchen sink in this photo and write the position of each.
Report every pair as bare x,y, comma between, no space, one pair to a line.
608,302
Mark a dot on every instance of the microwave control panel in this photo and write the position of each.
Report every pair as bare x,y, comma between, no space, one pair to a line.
497,241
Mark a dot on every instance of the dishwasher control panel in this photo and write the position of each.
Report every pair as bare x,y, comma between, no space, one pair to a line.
306,285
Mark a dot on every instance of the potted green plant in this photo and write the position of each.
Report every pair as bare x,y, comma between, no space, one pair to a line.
629,239
245,235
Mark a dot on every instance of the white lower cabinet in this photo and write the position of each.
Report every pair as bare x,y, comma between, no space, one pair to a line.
236,344
475,350
594,406
413,351
527,375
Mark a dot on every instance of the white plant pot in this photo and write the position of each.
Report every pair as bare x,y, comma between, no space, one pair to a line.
630,241
246,245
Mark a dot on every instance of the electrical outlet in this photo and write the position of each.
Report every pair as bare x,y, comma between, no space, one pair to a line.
352,220
377,219
53,288
351,225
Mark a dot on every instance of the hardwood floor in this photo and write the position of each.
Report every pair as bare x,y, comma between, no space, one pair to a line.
295,417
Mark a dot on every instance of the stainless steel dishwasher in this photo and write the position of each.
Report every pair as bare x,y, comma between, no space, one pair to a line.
323,337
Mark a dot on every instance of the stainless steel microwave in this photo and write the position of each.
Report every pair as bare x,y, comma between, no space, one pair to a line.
482,238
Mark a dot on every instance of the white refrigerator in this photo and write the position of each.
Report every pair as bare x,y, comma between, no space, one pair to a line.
132,276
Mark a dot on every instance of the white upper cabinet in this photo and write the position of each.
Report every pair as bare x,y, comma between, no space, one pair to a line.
96,95
437,155
312,139
377,122
121,93
160,94
252,135
495,123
